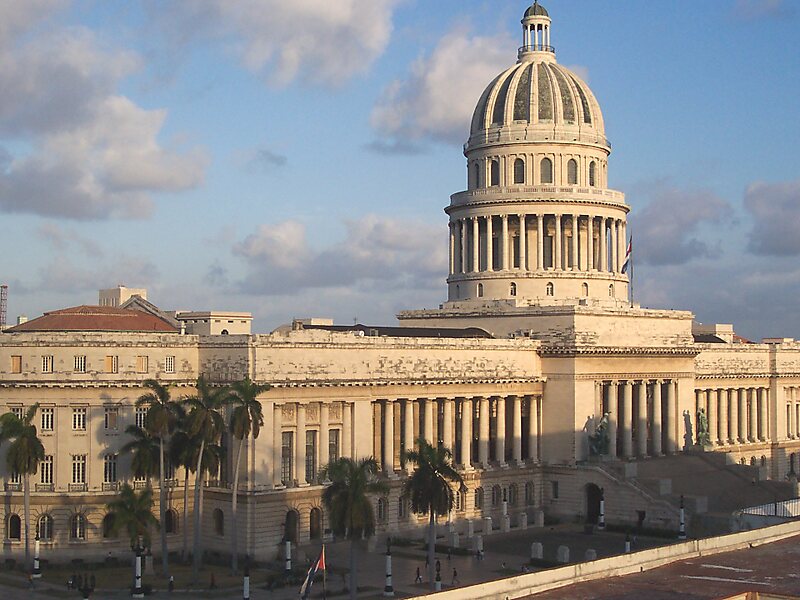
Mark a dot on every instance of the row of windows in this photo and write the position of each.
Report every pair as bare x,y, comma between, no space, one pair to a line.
111,420
545,172
80,364
550,290
311,467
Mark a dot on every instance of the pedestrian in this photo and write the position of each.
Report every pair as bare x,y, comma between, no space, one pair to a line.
455,577
503,565
449,551
171,586
418,578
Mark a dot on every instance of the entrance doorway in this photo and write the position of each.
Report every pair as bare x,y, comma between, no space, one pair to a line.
316,524
593,496
291,524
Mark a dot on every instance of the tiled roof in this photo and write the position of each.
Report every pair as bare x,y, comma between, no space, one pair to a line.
95,318
423,332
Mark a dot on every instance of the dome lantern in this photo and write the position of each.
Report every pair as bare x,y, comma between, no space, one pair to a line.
536,31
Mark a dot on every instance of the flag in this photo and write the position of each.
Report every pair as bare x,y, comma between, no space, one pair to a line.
316,566
627,262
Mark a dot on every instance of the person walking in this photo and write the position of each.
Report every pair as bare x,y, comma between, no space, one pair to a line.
418,578
455,577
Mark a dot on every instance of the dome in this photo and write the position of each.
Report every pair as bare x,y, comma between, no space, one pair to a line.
536,10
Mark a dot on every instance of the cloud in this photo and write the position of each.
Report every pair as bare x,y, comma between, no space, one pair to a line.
668,230
66,239
435,101
395,148
265,159
581,71
63,276
90,153
747,10
775,212
317,41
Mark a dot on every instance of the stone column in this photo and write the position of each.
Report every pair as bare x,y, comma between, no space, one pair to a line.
533,428
516,433
575,252
452,248
657,409
277,444
614,247
324,430
762,414
672,426
300,446
408,429
500,440
463,253
557,262
504,242
447,426
466,433
733,397
429,402
483,433
539,242
723,416
476,245
753,415
711,412
613,417
523,244
626,420
489,245
347,430
603,266
744,420
388,437
641,423
590,243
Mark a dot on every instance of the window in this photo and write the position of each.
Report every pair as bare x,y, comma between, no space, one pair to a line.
554,489
495,172
47,364
382,510
141,416
311,456
111,418
530,498
112,364
79,468
171,521
476,168
219,522
46,470
142,364
550,289
611,291
47,419
286,457
478,498
402,507
80,363
77,527
572,172
18,411
16,478
169,468
519,171
110,468
513,289
169,364
108,526
585,289
16,366
512,495
480,290
497,496
592,174
461,500
44,528
546,170
333,445
14,528
79,419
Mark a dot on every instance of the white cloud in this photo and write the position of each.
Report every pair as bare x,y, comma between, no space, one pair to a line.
762,9
438,96
775,211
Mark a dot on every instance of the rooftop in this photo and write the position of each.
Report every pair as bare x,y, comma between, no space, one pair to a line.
95,318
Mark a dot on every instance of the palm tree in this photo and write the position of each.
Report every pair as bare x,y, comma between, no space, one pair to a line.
430,488
245,419
205,423
162,415
347,501
143,449
133,513
183,450
25,452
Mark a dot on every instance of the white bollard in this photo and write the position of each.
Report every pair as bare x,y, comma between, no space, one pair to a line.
487,526
288,564
505,524
477,543
562,554
388,590
539,518
470,529
523,521
537,551
37,572
454,543
591,554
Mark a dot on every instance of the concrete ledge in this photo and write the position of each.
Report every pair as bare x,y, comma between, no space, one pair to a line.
615,566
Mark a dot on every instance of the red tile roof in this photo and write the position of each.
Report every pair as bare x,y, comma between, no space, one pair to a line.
95,318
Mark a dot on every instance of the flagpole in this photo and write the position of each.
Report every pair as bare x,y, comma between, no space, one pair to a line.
630,245
324,575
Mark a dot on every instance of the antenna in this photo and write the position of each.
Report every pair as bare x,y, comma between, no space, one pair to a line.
3,305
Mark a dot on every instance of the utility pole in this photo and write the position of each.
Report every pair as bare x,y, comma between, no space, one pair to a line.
3,306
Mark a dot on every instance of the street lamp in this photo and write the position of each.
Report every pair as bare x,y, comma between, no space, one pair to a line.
138,591
37,572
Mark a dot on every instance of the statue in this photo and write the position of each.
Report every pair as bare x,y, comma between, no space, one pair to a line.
703,438
598,441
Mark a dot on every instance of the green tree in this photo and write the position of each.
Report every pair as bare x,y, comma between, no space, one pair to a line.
246,419
183,451
348,503
430,488
143,449
133,513
25,452
206,424
162,416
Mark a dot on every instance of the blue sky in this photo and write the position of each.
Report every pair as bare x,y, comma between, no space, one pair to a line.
293,158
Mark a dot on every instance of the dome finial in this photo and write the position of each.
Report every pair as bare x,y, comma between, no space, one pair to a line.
536,30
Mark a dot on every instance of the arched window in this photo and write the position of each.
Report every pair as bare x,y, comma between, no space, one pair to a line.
546,170
77,527
512,494
497,496
592,174
478,498
224,332
171,521
763,461
382,510
743,461
611,293
752,461
219,522
519,171
476,175
513,289
480,290
14,528
550,289
572,172
108,526
402,507
495,172
461,500
585,289
44,528
529,494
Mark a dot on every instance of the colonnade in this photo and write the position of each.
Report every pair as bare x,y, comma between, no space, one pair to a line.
537,36
641,416
480,431
561,242
792,395
735,415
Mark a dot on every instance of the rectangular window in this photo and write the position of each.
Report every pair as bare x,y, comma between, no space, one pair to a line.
111,419
80,363
169,364
112,364
16,364
311,456
18,411
554,489
79,419
169,469
46,470
141,364
79,468
47,419
333,445
16,478
47,364
286,457
109,468
141,416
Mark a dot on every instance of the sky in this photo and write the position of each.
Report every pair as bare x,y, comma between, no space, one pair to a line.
293,159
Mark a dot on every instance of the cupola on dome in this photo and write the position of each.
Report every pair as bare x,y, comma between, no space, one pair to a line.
536,10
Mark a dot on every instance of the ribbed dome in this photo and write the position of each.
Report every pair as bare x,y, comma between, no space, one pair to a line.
536,10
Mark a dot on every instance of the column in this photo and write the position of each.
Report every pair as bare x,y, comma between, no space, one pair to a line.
713,431
516,432
744,421
277,442
452,248
300,446
388,437
523,244
612,407
504,242
575,253
476,245
557,243
347,430
533,428
613,266
466,433
603,266
483,433
657,410
626,419
462,223
733,397
408,429
489,245
753,415
723,416
641,422
539,242
500,440
428,417
672,429
762,414
590,243
447,426
324,429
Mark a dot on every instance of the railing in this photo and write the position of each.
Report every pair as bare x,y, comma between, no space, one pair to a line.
111,486
44,487
140,484
77,487
536,48
13,487
787,509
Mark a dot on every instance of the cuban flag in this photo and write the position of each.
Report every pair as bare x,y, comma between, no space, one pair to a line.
627,262
316,566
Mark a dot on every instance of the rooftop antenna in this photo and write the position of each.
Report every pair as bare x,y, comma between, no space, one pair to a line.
3,305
